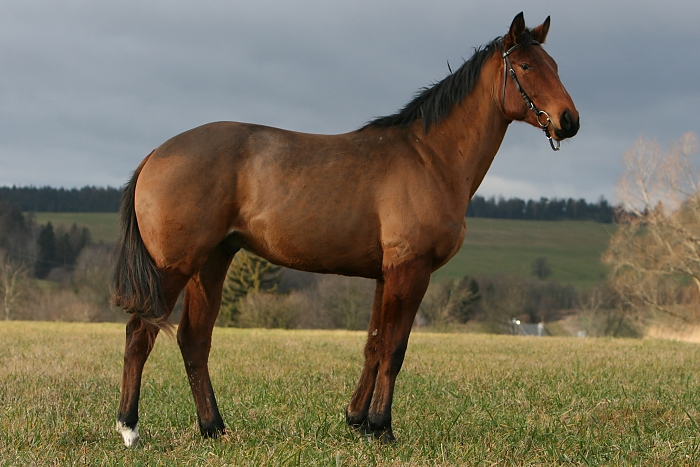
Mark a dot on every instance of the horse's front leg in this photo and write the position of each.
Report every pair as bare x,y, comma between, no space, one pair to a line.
358,409
404,286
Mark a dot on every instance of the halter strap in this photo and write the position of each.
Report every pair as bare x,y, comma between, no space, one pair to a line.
508,69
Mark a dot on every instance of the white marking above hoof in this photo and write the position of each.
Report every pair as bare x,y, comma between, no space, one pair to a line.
131,437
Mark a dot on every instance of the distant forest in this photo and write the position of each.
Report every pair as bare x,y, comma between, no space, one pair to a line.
94,199
543,210
48,199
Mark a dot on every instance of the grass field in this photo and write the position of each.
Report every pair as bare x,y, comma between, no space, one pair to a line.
572,248
461,399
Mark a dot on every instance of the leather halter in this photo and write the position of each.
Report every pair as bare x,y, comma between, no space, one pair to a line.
508,69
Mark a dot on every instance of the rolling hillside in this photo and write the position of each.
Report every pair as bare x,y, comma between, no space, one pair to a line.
572,249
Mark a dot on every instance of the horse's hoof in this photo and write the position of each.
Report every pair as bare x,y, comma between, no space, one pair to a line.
130,435
385,436
380,426
355,422
212,430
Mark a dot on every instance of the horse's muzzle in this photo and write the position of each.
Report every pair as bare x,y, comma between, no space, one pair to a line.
568,126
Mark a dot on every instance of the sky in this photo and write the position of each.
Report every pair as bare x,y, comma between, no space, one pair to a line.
88,89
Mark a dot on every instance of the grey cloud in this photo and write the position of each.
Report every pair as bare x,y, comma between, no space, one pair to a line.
90,89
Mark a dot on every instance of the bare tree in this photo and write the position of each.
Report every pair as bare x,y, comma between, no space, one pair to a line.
12,275
450,302
89,283
655,253
504,298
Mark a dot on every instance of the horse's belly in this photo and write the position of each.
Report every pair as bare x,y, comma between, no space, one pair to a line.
330,245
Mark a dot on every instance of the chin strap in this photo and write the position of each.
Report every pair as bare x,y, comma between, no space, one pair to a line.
508,69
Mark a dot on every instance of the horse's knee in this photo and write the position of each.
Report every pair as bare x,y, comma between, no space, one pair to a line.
396,357
372,348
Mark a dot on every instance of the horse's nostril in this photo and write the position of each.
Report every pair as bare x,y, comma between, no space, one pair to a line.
568,127
566,121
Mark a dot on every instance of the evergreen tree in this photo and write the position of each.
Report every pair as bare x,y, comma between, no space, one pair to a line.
46,256
15,233
248,273
540,268
69,244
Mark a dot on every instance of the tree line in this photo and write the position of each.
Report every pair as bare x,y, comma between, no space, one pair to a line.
543,210
49,199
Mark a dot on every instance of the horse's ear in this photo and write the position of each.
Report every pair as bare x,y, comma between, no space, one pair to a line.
540,32
517,28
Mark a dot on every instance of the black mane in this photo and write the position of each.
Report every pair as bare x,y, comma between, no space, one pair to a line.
433,103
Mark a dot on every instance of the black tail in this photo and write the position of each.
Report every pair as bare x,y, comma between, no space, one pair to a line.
136,282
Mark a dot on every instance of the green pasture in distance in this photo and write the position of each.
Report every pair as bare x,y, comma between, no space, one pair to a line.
103,225
572,248
460,400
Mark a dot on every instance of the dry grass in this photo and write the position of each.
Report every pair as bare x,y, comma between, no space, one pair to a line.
462,399
675,333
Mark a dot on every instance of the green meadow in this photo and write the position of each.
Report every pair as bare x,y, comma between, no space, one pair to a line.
461,399
496,246
492,246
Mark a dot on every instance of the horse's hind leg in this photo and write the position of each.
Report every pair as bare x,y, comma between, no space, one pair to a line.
140,337
200,309
402,292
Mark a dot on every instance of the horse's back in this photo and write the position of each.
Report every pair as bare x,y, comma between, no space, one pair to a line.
290,197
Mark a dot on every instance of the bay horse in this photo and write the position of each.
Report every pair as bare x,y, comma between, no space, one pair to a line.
386,202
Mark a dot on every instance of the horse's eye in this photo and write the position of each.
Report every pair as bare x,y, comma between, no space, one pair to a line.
525,66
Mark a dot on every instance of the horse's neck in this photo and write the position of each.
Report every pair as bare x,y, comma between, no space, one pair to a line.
467,140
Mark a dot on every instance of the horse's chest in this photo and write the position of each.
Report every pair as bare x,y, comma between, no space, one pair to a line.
449,244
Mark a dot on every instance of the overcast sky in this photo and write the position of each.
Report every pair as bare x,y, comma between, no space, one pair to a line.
90,88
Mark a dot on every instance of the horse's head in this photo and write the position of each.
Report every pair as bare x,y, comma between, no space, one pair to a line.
531,90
